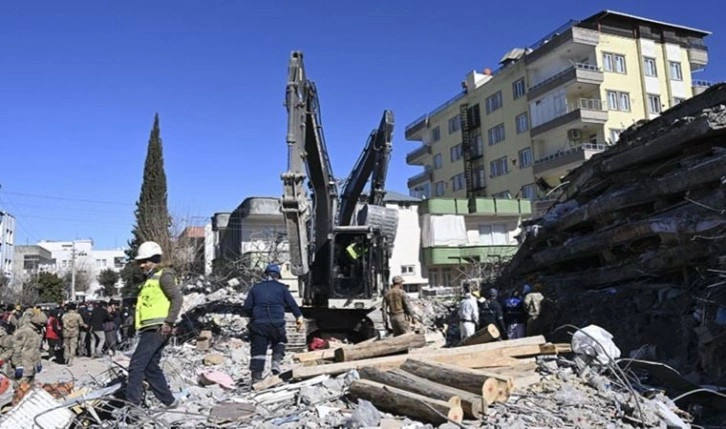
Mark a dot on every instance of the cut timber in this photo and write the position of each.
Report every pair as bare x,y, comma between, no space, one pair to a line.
383,347
493,387
472,404
475,355
484,335
399,401
456,413
328,353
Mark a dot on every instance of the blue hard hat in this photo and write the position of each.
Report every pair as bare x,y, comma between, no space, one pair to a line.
272,268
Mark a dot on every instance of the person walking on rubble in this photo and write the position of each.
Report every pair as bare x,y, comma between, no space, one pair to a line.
157,309
469,315
395,305
26,347
72,325
266,304
490,311
533,307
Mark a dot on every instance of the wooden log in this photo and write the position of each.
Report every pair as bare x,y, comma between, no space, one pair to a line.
399,401
474,355
470,380
484,335
327,353
456,412
486,359
385,347
472,404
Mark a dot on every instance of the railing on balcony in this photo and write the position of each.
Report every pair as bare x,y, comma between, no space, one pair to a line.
576,66
418,152
698,45
561,153
446,104
422,175
588,104
702,83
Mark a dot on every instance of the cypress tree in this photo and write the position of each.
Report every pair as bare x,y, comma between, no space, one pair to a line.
152,213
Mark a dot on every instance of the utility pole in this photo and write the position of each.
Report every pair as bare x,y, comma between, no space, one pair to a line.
73,272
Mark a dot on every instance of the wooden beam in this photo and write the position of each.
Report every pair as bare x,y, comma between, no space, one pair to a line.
384,347
472,404
470,380
485,335
398,401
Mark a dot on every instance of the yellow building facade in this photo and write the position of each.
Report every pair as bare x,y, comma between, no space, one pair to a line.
553,105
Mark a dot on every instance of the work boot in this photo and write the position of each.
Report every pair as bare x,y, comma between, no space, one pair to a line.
256,376
276,364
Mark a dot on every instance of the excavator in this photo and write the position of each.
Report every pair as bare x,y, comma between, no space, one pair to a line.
340,239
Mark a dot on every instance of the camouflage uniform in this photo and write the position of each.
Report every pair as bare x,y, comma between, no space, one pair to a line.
6,350
25,318
72,322
27,341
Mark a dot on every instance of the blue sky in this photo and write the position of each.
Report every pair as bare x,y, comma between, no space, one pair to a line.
80,82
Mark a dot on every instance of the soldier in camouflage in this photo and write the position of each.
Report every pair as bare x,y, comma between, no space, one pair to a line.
72,324
26,345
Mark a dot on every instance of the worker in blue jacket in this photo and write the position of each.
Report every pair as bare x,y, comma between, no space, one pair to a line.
266,304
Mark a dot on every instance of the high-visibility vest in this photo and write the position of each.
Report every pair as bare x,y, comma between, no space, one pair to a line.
152,305
352,251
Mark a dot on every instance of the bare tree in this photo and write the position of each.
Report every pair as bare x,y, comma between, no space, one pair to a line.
478,273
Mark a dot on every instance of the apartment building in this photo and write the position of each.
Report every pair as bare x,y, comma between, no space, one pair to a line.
7,244
514,132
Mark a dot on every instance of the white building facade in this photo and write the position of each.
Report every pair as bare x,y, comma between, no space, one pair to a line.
7,244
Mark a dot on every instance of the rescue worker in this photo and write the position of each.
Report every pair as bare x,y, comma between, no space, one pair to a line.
6,349
395,305
157,309
469,315
533,307
514,315
53,336
25,317
266,304
490,311
72,325
26,347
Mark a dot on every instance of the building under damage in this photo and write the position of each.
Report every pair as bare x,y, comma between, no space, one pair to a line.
637,241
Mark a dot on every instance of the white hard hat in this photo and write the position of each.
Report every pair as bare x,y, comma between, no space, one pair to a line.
148,249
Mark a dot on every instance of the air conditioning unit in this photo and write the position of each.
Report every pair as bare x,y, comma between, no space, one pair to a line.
574,134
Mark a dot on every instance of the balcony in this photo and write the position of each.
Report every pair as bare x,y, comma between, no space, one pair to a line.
699,86
582,111
563,160
423,177
444,255
584,74
484,206
697,55
418,155
562,40
413,130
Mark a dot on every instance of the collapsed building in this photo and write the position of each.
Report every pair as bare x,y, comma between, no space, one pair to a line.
637,241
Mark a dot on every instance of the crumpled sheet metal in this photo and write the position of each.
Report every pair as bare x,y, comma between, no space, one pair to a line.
38,406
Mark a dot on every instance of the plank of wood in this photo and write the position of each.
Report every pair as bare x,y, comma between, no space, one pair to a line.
472,404
485,335
384,347
401,402
470,380
328,353
474,355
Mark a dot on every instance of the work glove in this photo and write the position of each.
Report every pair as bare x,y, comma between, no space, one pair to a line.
18,372
166,329
299,323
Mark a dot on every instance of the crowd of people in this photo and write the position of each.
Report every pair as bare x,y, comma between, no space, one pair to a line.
90,329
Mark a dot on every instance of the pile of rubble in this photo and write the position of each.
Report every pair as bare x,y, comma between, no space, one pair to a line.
637,242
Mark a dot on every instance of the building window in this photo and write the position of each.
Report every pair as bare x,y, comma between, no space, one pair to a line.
525,157
440,189
654,106
498,167
435,134
613,63
438,162
494,102
496,134
675,69
408,270
677,100
529,192
422,191
615,135
493,235
479,179
650,67
455,124
518,88
522,122
458,182
477,146
455,153
618,101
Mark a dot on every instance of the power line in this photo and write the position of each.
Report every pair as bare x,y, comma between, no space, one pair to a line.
79,200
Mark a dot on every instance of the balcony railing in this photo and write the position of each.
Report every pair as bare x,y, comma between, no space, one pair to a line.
418,152
421,176
560,153
576,66
702,83
588,104
698,45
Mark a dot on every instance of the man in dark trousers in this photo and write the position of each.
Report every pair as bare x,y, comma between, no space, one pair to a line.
266,304
157,308
490,311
